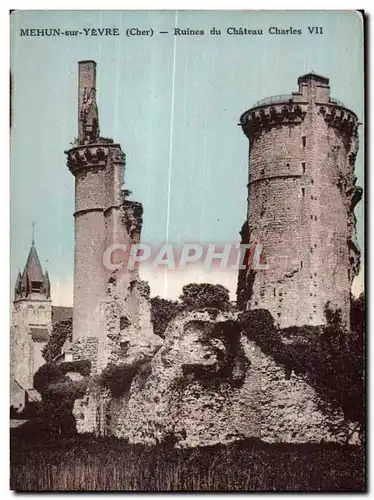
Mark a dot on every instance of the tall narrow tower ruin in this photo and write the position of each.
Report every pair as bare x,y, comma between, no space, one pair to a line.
102,215
301,198
87,162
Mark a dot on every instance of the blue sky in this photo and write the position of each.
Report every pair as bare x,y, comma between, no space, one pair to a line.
173,103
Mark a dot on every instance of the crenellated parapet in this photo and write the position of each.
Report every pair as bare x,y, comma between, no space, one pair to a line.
94,156
340,118
263,118
116,155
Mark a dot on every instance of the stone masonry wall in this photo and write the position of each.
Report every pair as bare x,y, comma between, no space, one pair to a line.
129,341
301,187
25,354
175,395
89,274
21,361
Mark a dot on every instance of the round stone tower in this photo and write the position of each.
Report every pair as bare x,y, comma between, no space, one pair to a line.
301,198
97,165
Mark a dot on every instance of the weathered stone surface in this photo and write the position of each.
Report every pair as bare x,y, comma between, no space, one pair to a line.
30,315
90,411
175,399
129,341
86,348
289,407
130,337
183,393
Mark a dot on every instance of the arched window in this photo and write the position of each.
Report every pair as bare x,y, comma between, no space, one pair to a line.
41,314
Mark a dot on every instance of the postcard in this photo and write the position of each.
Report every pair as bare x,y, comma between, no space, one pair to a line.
187,251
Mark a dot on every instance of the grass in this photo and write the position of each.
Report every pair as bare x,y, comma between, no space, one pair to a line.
86,463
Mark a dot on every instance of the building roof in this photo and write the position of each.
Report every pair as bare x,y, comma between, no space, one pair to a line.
19,278
60,313
39,334
33,268
32,279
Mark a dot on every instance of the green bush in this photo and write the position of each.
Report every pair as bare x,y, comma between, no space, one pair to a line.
48,373
258,325
118,378
59,392
68,389
51,373
142,287
201,295
62,331
162,312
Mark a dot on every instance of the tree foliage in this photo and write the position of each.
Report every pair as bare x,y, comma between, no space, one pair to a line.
59,392
52,373
200,295
62,331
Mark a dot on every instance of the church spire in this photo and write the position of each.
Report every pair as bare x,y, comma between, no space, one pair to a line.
32,280
33,268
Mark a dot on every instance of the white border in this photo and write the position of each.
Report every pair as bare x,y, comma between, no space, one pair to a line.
4,168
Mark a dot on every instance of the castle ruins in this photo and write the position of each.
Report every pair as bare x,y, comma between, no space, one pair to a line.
301,198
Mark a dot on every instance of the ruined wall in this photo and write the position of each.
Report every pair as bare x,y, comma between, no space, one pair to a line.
301,201
209,384
290,408
25,354
169,399
25,360
21,363
129,328
130,342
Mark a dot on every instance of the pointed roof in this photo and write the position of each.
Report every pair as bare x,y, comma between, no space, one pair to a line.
19,277
33,268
